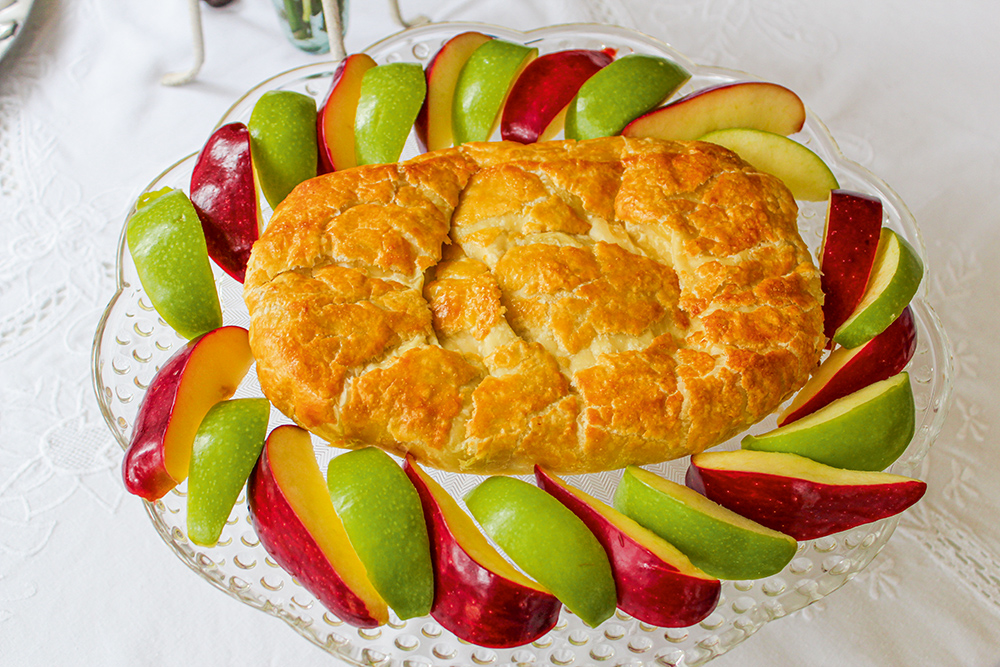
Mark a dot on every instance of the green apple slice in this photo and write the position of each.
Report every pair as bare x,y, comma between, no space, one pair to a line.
167,244
549,542
391,97
866,430
482,88
621,92
225,450
384,519
717,540
283,142
804,172
893,281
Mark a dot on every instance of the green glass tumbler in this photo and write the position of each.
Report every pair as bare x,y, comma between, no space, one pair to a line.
304,24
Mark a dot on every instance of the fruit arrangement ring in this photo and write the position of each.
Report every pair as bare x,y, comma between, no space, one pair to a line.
134,343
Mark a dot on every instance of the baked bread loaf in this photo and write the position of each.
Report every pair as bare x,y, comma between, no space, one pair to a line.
582,306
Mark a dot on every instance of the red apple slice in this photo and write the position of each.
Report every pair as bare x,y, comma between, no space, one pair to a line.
205,371
536,105
335,122
225,196
293,515
656,583
847,370
850,239
433,124
755,104
479,596
797,496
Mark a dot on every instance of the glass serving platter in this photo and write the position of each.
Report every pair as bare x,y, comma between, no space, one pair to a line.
132,342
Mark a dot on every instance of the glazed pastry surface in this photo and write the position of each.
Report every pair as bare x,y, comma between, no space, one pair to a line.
581,306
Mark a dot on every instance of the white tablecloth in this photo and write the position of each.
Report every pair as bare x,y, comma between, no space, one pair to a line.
909,88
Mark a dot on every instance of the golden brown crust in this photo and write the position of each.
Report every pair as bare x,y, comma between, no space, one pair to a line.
582,306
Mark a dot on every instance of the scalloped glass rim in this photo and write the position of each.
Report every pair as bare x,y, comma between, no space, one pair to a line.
131,341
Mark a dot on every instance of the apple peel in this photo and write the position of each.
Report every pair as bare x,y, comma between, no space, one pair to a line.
549,542
866,430
226,448
625,89
224,193
536,106
383,517
719,541
167,243
483,86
